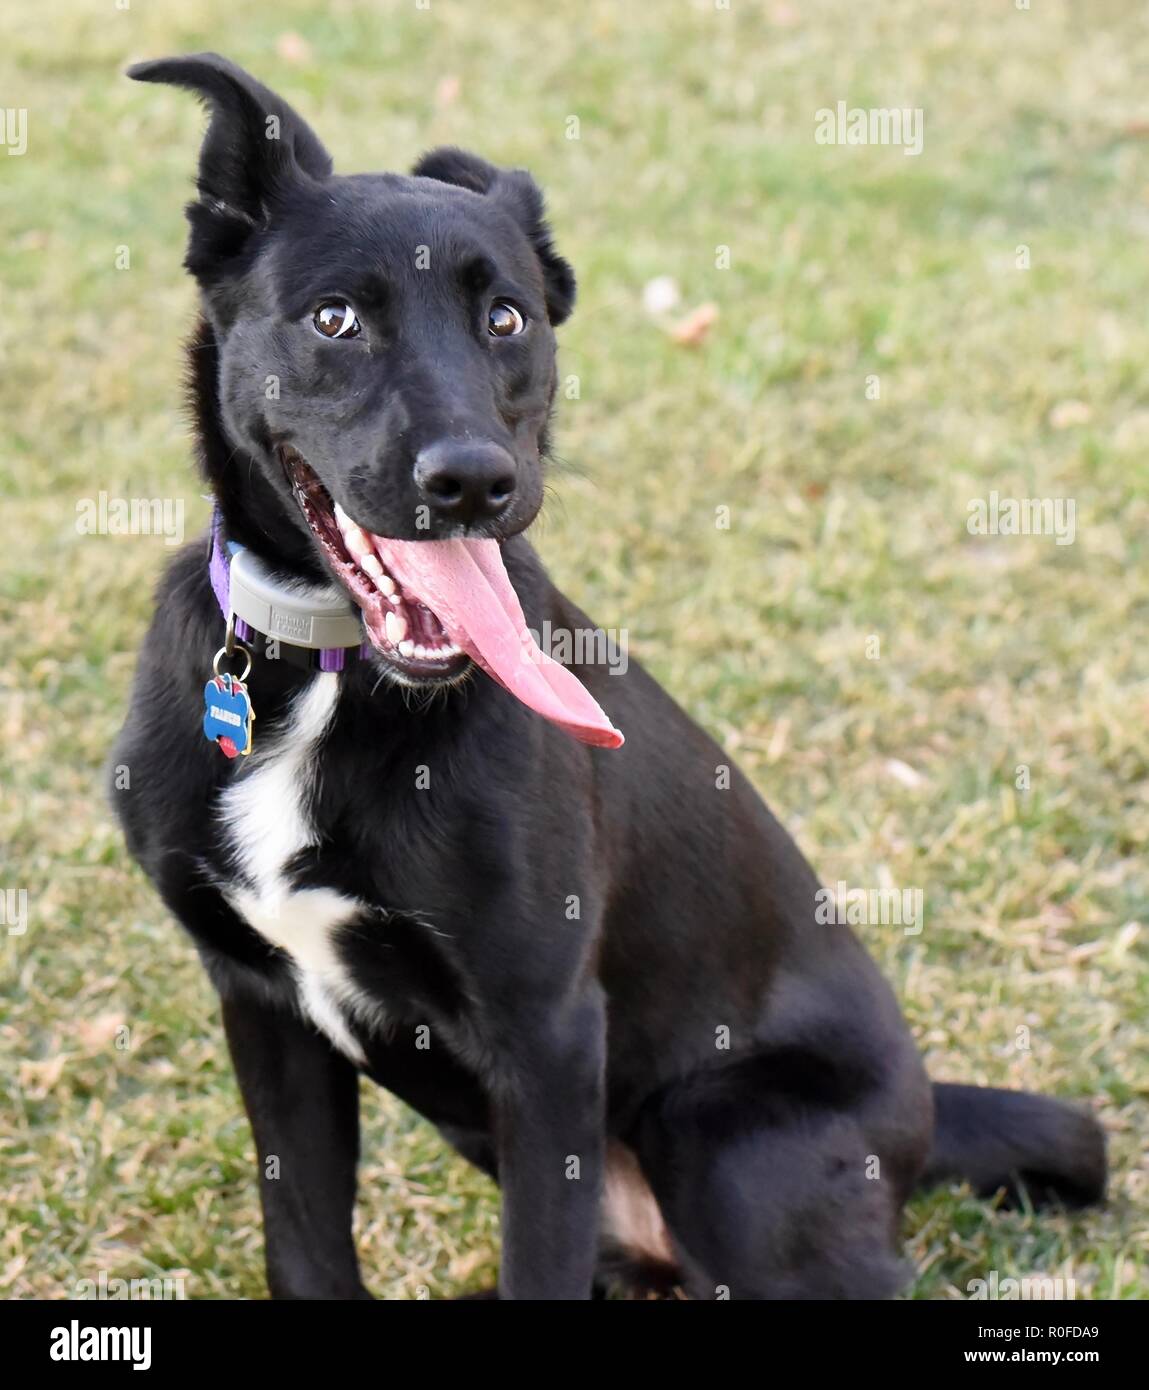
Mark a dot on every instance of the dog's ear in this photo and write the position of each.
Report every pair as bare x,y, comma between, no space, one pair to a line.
256,149
523,198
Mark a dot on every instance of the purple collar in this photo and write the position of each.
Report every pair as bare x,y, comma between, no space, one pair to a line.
219,571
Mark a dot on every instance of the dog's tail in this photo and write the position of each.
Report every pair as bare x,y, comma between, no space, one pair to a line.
1011,1139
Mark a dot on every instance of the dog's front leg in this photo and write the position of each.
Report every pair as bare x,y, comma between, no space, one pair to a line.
302,1098
549,1116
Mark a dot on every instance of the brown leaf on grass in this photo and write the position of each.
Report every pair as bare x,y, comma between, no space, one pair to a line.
37,1079
293,47
1066,414
693,330
94,1034
447,91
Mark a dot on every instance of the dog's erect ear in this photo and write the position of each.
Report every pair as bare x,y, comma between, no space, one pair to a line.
255,150
523,198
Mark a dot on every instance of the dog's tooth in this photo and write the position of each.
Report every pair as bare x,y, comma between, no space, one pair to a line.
406,648
374,567
357,542
421,651
396,628
354,536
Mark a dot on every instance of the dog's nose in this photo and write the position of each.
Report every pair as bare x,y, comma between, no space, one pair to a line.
465,482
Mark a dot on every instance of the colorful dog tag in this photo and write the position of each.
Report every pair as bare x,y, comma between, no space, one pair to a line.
228,715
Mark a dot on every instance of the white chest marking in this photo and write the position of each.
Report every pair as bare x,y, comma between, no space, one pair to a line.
267,812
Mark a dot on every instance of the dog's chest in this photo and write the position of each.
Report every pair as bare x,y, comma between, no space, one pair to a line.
267,814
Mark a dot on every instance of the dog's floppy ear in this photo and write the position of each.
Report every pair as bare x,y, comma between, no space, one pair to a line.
256,148
523,198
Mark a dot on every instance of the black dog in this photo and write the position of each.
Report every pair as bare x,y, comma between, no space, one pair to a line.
599,971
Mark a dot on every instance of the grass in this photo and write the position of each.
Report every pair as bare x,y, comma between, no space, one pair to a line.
128,1152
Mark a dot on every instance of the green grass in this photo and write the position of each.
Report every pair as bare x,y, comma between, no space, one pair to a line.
847,520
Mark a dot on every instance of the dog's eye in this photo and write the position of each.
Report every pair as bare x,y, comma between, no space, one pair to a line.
504,320
336,320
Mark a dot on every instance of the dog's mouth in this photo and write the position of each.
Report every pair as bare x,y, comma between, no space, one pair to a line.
401,628
431,608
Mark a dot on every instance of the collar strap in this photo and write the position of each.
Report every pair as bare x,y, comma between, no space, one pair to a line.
320,625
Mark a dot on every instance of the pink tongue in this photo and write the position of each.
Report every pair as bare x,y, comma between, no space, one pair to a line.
465,585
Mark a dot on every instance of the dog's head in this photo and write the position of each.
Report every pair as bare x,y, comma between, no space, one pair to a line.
384,355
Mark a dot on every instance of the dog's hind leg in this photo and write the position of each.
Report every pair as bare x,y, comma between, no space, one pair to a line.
302,1097
772,1194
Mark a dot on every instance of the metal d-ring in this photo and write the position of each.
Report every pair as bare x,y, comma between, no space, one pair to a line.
231,645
